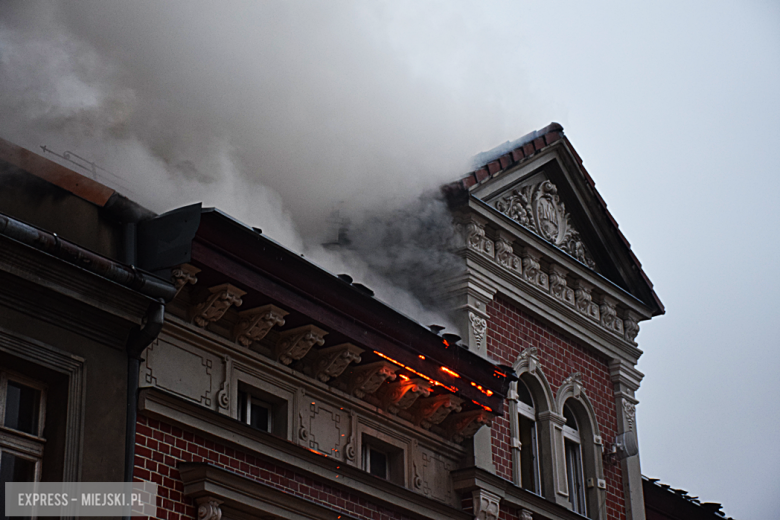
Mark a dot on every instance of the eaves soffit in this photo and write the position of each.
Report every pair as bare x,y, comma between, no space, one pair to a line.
547,192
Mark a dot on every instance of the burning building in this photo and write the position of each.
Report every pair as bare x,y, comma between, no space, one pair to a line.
193,351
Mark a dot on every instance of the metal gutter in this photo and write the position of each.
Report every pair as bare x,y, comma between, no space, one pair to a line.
52,244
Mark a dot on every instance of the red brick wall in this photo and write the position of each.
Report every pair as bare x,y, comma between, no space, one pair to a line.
509,332
160,447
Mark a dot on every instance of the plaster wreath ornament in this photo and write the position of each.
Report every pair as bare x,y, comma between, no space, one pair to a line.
538,207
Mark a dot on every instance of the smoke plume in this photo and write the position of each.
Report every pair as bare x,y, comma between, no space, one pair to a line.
278,113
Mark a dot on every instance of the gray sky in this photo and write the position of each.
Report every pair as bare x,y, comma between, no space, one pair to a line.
281,112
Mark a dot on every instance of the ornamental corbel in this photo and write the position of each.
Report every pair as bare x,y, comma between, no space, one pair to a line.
486,505
183,275
476,239
293,344
331,362
505,255
608,312
208,508
464,425
630,325
366,379
215,306
254,324
532,270
525,514
584,299
402,394
430,411
558,287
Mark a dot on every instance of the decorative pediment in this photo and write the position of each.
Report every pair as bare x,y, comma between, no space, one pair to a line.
538,207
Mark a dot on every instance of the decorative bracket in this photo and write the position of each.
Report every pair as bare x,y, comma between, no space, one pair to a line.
476,239
293,344
630,325
215,306
429,411
576,384
208,509
332,361
532,271
506,257
464,425
486,505
584,300
478,328
183,275
558,286
402,394
529,357
254,324
366,379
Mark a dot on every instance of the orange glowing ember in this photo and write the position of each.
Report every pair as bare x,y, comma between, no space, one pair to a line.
415,372
446,343
487,408
484,391
421,356
450,372
405,378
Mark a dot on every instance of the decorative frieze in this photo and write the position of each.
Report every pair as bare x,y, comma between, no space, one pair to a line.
430,411
183,275
294,344
215,306
366,379
558,286
254,324
486,505
330,362
402,394
538,207
464,425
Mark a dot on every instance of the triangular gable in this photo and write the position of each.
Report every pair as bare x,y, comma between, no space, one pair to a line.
540,182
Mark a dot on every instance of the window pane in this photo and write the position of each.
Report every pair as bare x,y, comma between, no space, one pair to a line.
16,469
574,476
377,463
260,417
571,422
528,454
21,408
524,394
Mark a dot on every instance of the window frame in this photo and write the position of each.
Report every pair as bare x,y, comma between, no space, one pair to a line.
21,444
530,415
575,476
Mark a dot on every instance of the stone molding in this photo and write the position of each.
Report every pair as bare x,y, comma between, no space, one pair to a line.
478,328
400,395
430,411
464,425
287,456
366,379
555,282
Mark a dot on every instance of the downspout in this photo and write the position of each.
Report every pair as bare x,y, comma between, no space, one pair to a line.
140,338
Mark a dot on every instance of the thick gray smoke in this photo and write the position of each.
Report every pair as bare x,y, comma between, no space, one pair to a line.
276,112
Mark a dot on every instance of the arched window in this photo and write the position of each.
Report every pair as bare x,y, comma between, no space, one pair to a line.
580,483
574,474
531,404
530,474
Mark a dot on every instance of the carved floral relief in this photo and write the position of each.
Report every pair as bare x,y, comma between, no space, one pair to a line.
538,207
